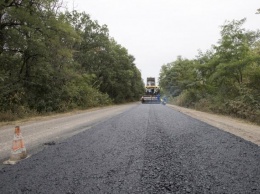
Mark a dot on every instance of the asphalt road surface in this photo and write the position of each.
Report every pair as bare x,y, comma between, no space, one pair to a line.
145,149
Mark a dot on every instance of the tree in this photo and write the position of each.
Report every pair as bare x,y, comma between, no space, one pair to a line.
178,76
109,62
35,46
55,61
225,78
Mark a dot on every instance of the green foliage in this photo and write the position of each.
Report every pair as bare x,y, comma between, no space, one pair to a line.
225,79
79,93
53,61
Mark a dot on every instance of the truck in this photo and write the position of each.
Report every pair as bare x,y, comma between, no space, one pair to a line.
152,92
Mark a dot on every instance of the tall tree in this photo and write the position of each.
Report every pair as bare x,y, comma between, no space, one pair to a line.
34,47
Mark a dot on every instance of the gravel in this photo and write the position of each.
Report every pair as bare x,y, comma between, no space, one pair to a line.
146,149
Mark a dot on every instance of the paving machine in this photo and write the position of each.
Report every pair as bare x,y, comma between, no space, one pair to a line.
152,92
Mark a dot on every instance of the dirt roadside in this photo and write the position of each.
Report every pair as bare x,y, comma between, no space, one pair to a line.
40,131
247,131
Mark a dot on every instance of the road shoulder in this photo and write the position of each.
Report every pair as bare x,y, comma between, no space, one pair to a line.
247,131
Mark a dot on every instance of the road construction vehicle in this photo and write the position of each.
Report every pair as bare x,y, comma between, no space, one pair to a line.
152,92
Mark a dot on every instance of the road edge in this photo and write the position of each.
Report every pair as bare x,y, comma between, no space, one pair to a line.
240,128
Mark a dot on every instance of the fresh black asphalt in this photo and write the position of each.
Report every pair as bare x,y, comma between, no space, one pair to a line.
147,149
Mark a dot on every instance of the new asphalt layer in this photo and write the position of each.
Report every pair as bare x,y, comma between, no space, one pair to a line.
147,149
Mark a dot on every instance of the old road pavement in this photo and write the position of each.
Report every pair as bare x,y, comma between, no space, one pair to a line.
144,149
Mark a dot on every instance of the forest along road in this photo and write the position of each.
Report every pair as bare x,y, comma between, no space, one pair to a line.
145,149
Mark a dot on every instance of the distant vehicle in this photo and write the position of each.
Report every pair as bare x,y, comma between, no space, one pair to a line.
152,92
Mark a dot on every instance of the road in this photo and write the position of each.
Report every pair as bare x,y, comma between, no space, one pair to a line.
143,149
45,130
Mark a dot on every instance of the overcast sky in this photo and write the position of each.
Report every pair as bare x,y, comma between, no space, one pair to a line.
155,32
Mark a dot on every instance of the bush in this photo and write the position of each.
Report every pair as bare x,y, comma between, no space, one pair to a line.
7,116
188,98
243,110
203,105
19,113
244,106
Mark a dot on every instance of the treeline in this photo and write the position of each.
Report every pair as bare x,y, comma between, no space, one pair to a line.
224,79
53,61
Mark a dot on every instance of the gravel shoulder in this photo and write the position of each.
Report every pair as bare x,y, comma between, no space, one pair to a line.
240,128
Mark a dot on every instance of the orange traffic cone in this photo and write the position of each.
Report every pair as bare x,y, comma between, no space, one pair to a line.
18,149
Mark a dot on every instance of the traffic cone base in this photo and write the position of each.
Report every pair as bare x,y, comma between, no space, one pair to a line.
14,161
18,155
10,162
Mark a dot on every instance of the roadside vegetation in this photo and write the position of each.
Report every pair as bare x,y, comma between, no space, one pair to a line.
56,61
225,79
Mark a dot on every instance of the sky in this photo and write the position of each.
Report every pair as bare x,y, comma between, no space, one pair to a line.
155,32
